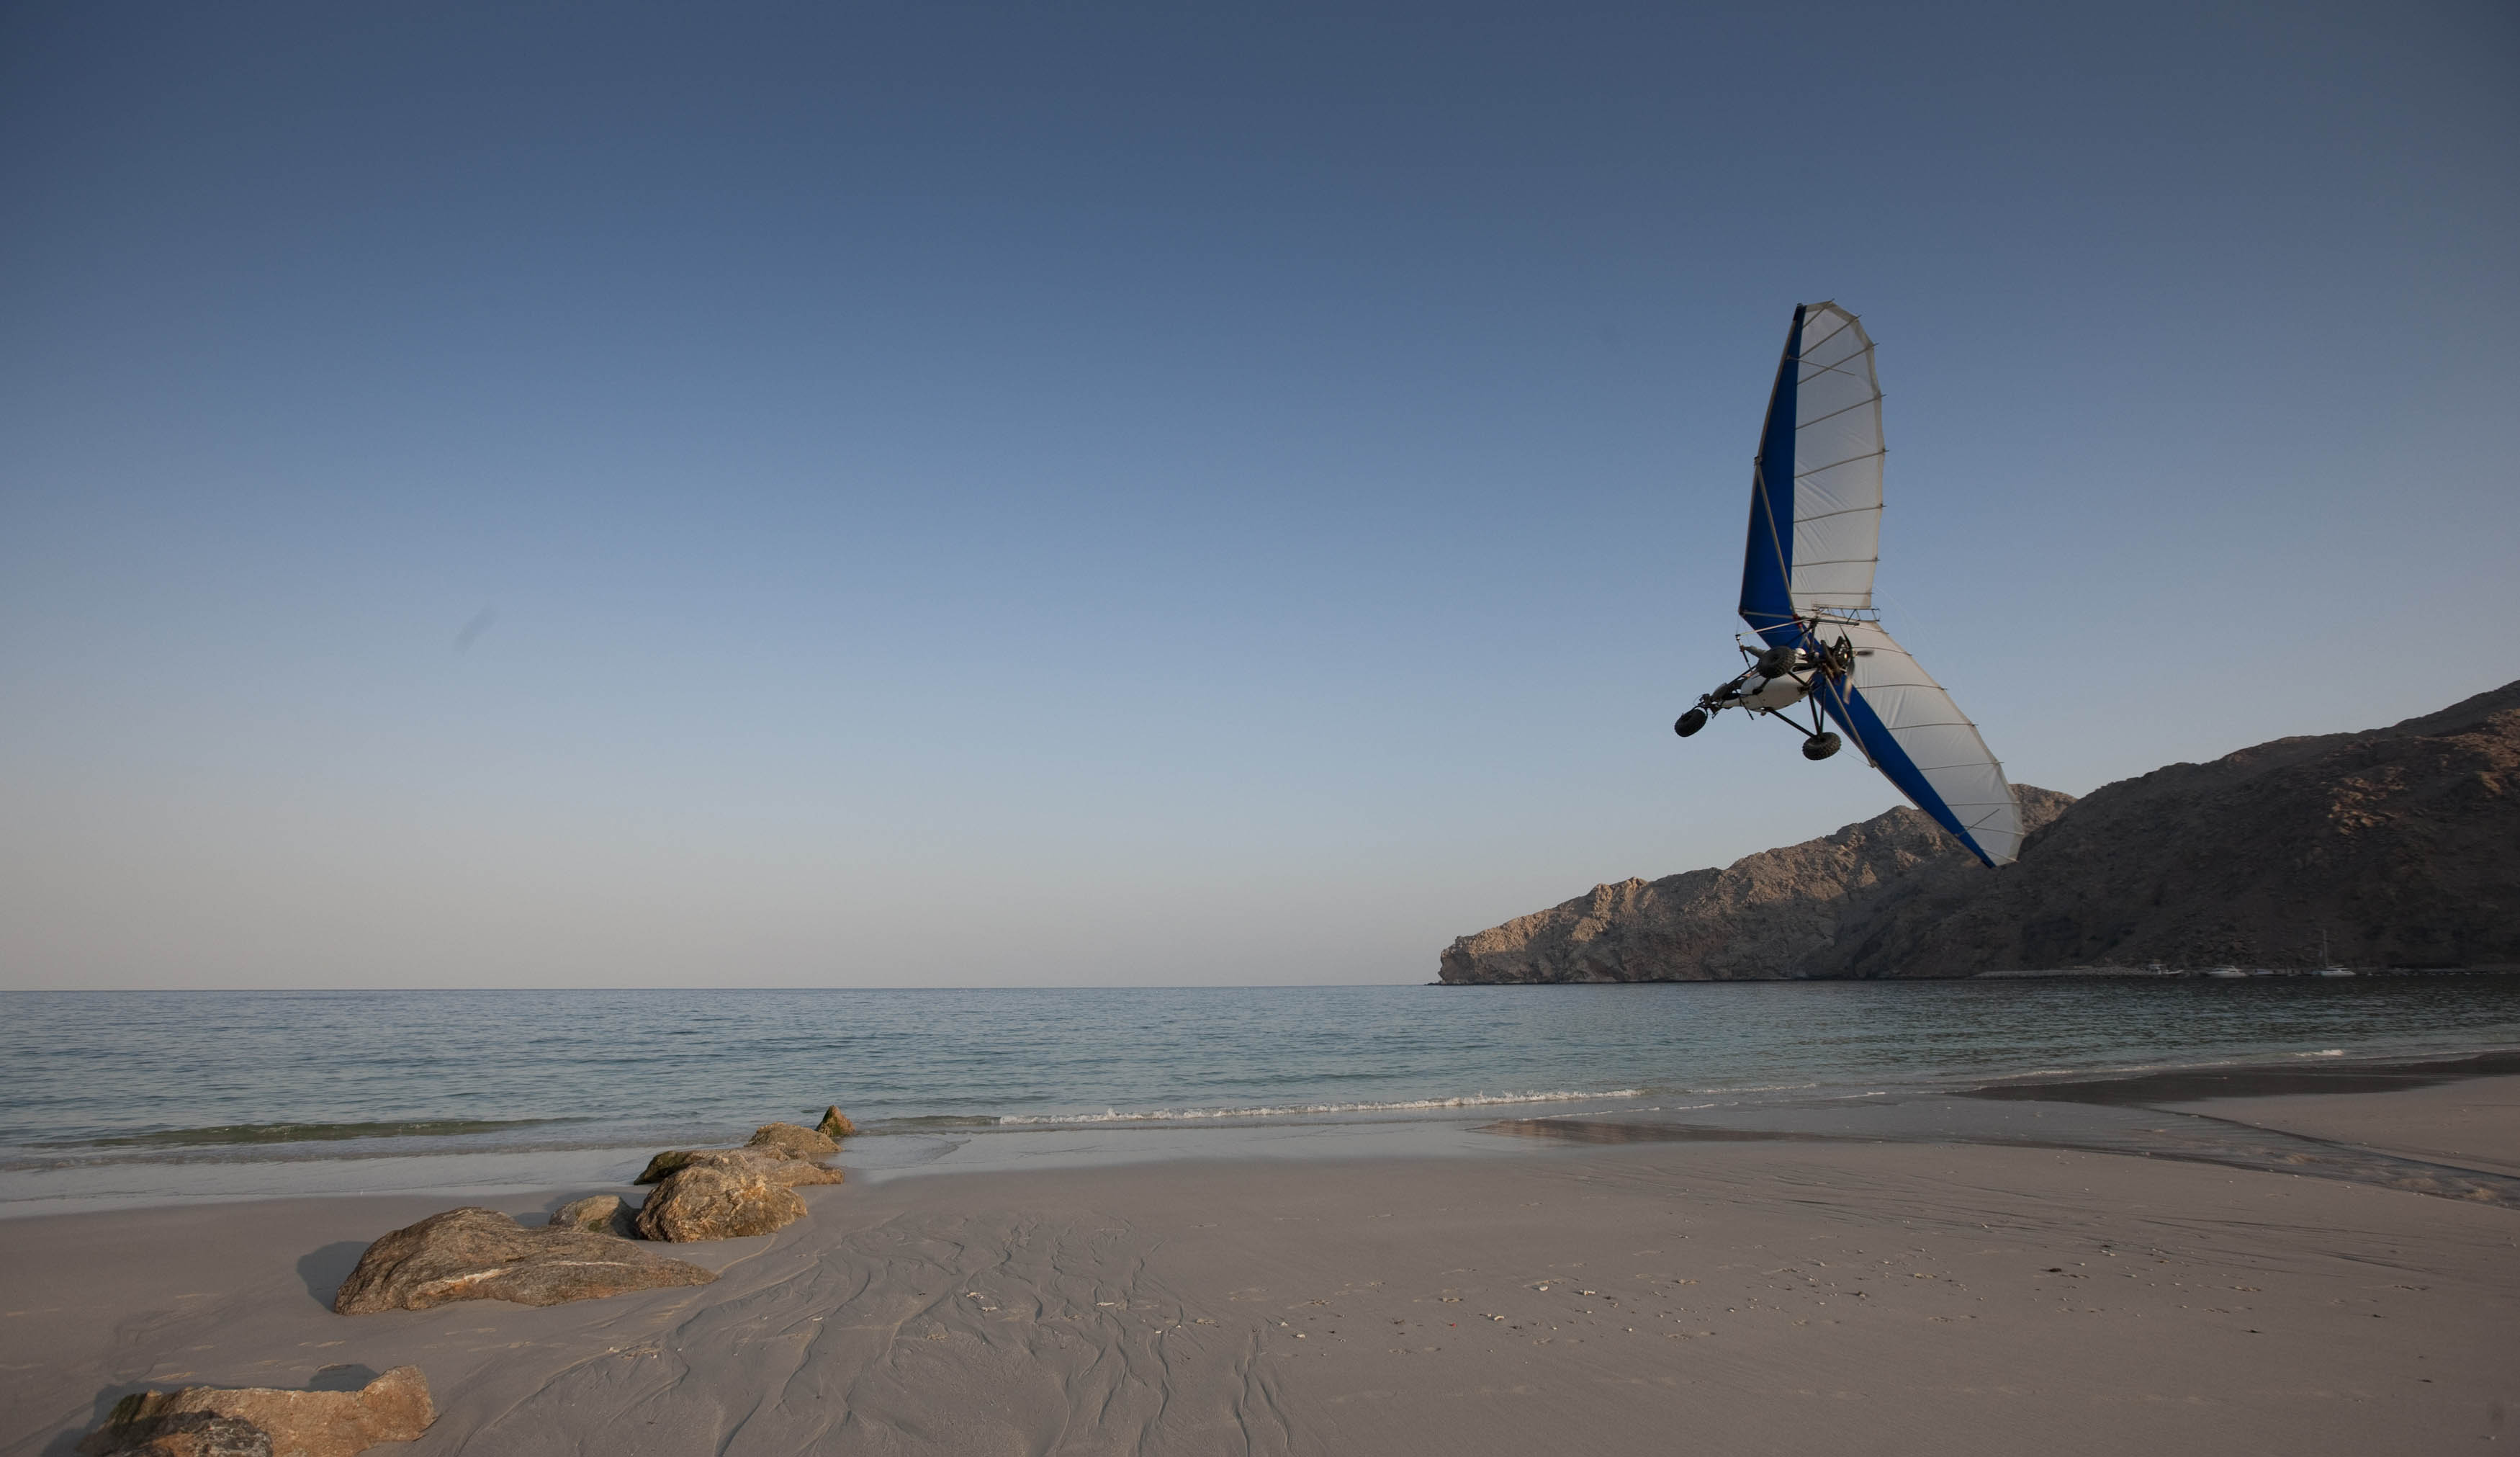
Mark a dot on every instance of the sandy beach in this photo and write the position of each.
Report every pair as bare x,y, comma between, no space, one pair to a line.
1730,1296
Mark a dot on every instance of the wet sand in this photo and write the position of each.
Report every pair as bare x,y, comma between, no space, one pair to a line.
2474,1124
1731,1297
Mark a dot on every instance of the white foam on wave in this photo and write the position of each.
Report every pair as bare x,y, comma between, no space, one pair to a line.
1414,1105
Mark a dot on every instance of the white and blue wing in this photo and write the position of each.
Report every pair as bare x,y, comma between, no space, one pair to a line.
1816,485
1807,580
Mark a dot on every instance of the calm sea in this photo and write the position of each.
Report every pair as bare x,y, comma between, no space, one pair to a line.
142,1097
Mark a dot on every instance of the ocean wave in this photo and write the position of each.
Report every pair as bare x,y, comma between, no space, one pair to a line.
228,1134
1414,1105
2194,1065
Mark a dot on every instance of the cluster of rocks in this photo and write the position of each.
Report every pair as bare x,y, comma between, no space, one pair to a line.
601,1246
592,1246
726,1194
261,1422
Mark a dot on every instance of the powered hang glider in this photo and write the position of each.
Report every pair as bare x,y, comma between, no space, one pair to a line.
1807,592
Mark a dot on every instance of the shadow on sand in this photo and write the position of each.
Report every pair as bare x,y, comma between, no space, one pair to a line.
324,1269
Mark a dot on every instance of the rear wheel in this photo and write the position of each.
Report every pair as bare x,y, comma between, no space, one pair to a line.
1820,745
1690,722
1775,663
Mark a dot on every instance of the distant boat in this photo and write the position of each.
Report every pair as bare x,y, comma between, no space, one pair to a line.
2329,968
2225,971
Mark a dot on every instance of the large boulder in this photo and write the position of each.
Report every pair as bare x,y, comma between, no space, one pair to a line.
835,1123
776,1143
727,1193
483,1255
792,1141
261,1422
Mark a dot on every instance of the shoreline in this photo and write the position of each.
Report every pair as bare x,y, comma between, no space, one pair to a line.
1458,1128
272,1095
1756,1293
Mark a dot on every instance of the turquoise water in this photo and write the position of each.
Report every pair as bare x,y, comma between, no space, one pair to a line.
139,1096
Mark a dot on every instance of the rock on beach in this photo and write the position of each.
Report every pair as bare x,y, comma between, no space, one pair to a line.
727,1193
603,1213
793,1141
264,1422
664,1164
483,1255
770,1142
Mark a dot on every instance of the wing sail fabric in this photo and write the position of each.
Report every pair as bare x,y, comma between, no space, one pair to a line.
1911,731
1816,485
1837,464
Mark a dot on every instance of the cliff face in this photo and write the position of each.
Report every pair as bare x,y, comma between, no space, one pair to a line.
2402,845
1777,914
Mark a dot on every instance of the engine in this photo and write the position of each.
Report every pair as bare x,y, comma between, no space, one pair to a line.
1771,693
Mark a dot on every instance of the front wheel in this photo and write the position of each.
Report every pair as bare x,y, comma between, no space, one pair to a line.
1820,745
1690,722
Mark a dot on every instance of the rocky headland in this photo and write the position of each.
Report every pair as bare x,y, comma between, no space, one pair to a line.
2393,847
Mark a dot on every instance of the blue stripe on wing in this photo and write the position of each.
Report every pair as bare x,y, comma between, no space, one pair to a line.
1767,560
1846,705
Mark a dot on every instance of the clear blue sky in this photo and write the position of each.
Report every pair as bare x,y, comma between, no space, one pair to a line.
921,494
